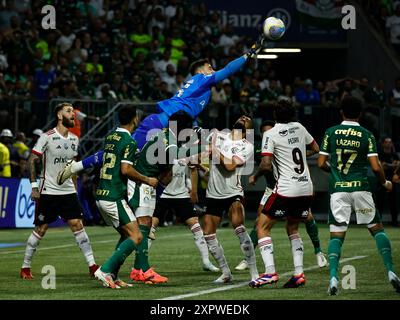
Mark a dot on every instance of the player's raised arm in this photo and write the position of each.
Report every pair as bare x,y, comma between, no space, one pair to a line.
232,67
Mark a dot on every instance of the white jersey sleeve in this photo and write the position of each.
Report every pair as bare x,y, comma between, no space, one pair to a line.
55,150
267,144
41,145
308,138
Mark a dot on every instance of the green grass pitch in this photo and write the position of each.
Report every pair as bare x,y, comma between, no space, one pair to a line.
174,255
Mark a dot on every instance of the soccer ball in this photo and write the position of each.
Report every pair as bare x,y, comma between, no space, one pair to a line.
273,28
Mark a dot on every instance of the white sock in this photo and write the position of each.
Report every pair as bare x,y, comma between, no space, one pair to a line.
200,242
76,167
153,230
218,253
248,250
31,245
267,253
297,252
83,242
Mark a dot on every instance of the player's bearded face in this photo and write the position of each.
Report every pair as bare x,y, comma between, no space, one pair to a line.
68,119
242,124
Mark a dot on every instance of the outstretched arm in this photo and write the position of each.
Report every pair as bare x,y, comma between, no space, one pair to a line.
129,171
235,65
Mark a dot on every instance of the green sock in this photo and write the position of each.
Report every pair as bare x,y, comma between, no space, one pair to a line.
384,248
312,230
117,259
334,251
142,252
253,237
116,271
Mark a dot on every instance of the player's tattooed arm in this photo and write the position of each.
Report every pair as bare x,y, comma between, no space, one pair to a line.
323,163
129,171
314,149
194,177
377,168
33,160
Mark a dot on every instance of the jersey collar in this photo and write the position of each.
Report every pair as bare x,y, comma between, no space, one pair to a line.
350,123
123,130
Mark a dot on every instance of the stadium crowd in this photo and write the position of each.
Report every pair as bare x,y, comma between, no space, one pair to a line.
141,51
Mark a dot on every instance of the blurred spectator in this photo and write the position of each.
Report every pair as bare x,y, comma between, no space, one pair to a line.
23,152
79,118
390,161
6,138
288,94
308,96
104,92
6,15
376,96
35,136
161,66
361,89
78,54
137,89
394,95
330,96
170,78
20,145
141,40
5,166
94,66
393,28
43,79
227,39
66,39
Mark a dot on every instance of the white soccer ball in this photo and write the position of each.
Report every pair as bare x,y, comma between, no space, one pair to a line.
273,28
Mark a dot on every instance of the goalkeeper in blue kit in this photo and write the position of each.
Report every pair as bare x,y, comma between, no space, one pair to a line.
192,99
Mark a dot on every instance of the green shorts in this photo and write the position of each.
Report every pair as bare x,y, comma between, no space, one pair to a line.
115,213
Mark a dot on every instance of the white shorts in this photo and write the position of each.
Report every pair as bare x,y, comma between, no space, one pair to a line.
115,213
344,203
142,199
266,195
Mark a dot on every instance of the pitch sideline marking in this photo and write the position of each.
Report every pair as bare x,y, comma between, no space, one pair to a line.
242,284
103,241
74,244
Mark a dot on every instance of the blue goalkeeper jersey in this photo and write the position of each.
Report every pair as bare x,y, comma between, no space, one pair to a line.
195,93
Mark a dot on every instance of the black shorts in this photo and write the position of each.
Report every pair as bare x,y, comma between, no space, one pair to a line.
182,208
217,207
50,207
283,207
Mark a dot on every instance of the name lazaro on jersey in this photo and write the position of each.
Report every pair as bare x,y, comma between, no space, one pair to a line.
348,145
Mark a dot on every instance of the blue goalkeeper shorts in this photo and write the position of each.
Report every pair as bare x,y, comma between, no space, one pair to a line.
153,121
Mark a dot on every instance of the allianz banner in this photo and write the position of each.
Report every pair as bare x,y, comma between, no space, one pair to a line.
17,210
305,20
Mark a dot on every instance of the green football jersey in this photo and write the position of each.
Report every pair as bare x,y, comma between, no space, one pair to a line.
119,147
348,145
157,154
